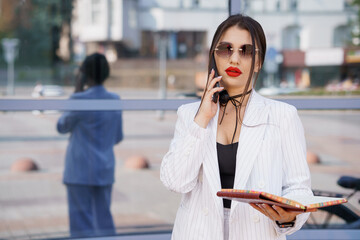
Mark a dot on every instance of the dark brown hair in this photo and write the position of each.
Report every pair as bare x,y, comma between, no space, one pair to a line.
96,67
257,38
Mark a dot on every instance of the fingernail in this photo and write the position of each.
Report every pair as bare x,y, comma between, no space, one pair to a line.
219,77
212,70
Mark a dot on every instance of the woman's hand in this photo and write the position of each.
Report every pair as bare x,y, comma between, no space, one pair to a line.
208,108
276,213
79,82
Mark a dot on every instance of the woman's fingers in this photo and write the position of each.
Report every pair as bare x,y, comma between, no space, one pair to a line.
211,75
213,80
260,209
286,216
257,208
276,213
280,211
271,213
212,89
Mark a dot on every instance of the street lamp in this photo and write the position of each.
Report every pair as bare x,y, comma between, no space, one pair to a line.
162,45
10,53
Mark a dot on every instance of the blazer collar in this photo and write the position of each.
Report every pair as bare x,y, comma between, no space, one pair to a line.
250,140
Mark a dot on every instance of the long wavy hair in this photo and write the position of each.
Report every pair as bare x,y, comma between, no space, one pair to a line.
257,39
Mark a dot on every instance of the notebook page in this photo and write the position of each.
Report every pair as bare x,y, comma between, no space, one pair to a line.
308,200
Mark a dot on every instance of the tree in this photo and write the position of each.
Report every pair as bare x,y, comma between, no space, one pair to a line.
39,27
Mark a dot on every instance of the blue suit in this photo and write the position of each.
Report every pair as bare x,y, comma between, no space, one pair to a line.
90,163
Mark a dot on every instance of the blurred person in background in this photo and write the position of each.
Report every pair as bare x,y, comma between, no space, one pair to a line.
90,161
236,140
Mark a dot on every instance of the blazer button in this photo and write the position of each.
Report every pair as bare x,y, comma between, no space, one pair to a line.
255,218
205,211
261,184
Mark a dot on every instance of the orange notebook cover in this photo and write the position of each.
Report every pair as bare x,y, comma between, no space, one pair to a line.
297,203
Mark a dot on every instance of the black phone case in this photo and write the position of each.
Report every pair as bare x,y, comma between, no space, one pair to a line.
216,95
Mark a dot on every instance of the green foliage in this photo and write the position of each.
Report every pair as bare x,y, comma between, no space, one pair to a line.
39,31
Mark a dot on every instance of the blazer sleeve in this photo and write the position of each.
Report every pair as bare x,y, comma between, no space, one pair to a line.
119,128
296,174
67,122
181,164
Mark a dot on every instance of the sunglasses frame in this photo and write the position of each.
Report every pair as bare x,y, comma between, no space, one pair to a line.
232,51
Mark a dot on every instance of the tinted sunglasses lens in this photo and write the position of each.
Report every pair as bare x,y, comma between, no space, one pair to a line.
247,50
224,50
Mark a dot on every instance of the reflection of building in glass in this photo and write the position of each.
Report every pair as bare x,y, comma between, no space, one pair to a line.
127,28
311,37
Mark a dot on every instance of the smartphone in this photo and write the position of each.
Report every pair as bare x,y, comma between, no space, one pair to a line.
216,74
216,95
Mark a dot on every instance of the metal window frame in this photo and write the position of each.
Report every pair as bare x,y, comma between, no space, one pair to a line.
156,104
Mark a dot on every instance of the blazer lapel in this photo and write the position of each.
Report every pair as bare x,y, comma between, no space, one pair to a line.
249,145
250,140
211,165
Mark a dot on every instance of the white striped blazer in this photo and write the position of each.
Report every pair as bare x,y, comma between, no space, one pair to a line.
271,157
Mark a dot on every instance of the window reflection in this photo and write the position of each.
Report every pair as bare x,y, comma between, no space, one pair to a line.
35,202
307,57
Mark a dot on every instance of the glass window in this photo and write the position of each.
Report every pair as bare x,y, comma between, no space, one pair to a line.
158,59
95,12
291,37
293,5
342,36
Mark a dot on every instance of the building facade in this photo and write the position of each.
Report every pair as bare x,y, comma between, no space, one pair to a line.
308,40
125,28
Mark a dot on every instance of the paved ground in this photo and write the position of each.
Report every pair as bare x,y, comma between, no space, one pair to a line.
34,204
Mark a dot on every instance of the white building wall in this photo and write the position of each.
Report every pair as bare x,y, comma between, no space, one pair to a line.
157,19
88,30
317,19
131,26
320,5
116,27
179,4
130,17
320,36
182,15
109,26
316,32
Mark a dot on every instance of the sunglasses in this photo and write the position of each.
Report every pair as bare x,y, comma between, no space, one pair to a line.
225,50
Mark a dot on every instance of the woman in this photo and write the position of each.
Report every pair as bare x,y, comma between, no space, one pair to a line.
243,141
90,161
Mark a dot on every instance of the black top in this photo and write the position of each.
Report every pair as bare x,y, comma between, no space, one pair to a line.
227,165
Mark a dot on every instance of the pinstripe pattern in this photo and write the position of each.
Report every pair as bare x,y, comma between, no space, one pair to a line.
271,157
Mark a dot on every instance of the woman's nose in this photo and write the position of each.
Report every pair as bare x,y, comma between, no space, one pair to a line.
235,58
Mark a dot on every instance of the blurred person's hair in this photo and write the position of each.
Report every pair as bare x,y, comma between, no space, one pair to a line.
96,67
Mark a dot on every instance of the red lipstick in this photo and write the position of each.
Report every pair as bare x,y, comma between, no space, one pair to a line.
233,72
